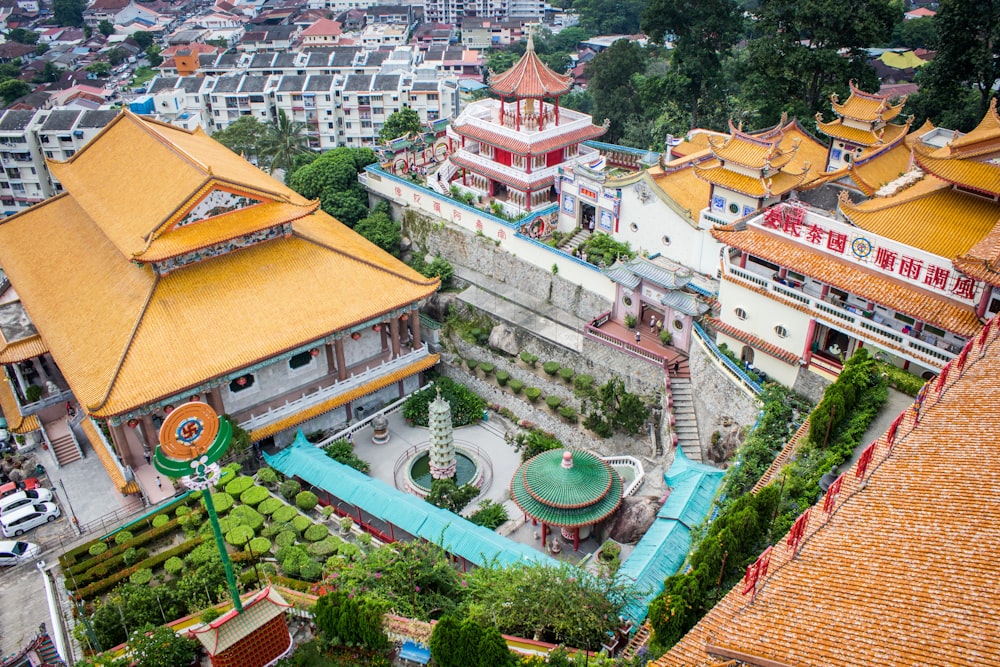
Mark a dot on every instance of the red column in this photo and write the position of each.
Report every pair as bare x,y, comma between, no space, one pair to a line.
576,538
807,353
394,336
984,300
338,347
543,534
557,110
527,197
517,118
743,259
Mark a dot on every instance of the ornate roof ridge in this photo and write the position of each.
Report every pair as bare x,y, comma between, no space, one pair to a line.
530,77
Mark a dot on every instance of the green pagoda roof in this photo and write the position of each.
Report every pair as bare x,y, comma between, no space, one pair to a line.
567,489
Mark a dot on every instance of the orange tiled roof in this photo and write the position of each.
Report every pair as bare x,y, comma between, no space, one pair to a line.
753,151
130,211
684,187
517,145
972,174
872,172
983,259
903,572
124,337
97,444
854,135
866,107
16,422
22,350
530,77
756,342
342,399
777,184
986,133
850,276
930,215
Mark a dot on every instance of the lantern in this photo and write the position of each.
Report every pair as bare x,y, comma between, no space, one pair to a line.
132,423
314,352
404,317
194,397
242,381
167,409
377,327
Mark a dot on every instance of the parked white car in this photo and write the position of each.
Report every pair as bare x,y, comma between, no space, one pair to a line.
19,521
22,498
12,552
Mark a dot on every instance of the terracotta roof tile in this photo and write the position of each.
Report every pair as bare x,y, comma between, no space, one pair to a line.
982,261
873,171
522,147
886,135
777,184
22,350
981,176
752,151
530,77
903,572
756,342
16,422
110,466
877,287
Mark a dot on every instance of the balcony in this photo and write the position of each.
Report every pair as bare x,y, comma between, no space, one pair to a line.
839,315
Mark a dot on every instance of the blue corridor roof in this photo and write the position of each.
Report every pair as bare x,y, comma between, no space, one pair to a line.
451,532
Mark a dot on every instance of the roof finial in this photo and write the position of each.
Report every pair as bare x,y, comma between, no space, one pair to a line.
567,460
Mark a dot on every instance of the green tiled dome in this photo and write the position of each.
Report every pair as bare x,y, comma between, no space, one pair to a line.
580,495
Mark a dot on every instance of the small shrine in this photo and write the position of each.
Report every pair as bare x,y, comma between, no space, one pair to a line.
255,637
862,124
443,460
571,490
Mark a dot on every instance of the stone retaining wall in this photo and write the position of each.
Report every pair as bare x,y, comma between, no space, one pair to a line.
718,401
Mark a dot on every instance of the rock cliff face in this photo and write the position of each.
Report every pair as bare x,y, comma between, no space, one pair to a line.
633,519
730,437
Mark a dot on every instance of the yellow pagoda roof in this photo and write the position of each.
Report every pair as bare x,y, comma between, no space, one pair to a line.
136,209
124,337
982,261
16,422
759,187
22,350
866,107
985,137
930,215
885,135
856,593
871,173
753,151
980,176
685,188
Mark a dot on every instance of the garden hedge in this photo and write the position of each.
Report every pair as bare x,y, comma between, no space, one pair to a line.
270,506
255,495
238,485
98,587
284,514
306,500
316,532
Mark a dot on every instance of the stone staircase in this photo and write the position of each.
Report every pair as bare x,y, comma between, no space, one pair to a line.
440,180
639,639
686,423
65,449
575,241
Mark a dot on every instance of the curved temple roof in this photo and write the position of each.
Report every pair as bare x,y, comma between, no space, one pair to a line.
530,77
567,488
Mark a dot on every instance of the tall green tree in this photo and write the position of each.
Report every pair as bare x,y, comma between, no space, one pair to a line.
243,136
802,51
23,36
69,12
612,86
610,17
106,28
956,87
399,123
282,141
49,74
382,230
143,38
333,178
12,89
703,33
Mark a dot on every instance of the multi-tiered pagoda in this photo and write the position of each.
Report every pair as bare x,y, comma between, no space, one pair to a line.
511,148
862,125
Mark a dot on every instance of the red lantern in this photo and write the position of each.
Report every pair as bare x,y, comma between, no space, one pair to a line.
132,423
377,327
194,397
242,381
356,335
314,352
404,317
167,409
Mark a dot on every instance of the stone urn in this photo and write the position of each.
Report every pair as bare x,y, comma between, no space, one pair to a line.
380,430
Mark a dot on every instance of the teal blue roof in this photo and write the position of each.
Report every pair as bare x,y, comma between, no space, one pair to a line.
664,547
451,532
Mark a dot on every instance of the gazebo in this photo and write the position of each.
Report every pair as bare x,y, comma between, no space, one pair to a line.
572,490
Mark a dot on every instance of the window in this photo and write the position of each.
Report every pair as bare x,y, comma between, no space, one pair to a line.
746,355
242,383
935,331
734,208
666,240
740,313
634,227
781,331
678,324
301,359
627,300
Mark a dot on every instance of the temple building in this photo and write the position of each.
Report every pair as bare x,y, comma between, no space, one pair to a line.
510,149
174,270
895,564
911,272
862,127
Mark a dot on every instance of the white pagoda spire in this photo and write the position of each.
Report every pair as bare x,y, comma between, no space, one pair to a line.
442,454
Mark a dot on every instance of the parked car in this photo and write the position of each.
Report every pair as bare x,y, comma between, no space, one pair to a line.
23,519
12,553
21,498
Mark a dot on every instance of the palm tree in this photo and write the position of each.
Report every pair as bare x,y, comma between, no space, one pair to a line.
282,141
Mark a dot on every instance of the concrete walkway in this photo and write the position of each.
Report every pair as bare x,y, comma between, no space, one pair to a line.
506,302
896,403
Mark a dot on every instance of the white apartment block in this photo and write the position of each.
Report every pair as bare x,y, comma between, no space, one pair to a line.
28,138
454,11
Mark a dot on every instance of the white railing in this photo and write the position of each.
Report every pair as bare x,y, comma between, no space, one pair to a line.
630,462
356,380
835,316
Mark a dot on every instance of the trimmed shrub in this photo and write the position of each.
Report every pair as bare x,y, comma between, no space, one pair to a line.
247,516
284,514
532,393
583,384
502,377
516,386
285,538
566,373
223,502
472,364
316,532
239,485
466,406
98,548
553,402
289,489
267,476
311,570
529,358
292,559
550,367
325,547
568,413
141,577
159,520
260,545
226,477
306,500
489,515
173,566
273,528
269,506
487,368
239,535
123,536
300,523
98,587
255,495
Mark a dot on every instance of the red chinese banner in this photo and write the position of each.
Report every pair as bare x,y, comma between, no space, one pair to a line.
797,532
830,502
943,377
865,460
750,579
890,436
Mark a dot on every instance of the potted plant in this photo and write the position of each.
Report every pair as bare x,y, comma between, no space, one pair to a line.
346,523
630,321
666,337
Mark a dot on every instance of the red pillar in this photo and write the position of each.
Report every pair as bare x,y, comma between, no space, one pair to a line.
807,353
543,535
743,259
576,538
984,300
557,110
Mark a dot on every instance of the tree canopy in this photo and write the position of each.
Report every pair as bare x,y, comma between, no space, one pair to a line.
12,89
143,38
282,141
400,123
610,17
69,12
382,230
612,86
333,177
243,136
